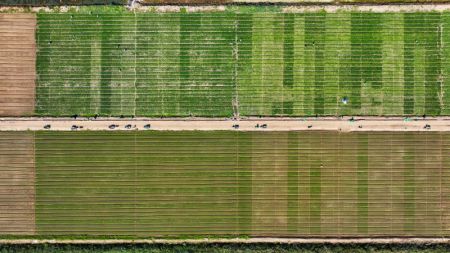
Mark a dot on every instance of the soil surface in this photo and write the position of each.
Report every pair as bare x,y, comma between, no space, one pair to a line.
17,183
345,124
17,64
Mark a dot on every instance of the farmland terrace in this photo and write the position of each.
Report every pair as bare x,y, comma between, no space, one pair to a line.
223,183
240,61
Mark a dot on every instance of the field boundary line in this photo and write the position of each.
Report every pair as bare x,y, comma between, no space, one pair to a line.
287,6
242,118
362,240
345,124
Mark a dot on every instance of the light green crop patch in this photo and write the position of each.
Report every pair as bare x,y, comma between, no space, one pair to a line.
242,62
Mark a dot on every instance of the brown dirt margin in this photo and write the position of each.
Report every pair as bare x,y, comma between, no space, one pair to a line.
392,240
345,124
17,64
17,183
288,6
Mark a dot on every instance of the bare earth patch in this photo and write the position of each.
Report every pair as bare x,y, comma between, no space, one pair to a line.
17,64
17,183
345,124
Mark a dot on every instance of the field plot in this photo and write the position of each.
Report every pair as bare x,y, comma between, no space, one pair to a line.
243,63
346,64
151,182
17,188
242,183
17,64
135,64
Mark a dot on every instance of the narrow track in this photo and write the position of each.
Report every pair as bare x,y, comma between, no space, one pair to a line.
363,240
345,124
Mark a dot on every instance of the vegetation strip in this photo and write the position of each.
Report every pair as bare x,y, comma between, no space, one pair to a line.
227,247
246,62
340,242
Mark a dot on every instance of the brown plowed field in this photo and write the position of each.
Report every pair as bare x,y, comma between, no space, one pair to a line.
17,186
17,64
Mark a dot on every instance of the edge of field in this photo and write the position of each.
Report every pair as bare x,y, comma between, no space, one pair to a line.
35,3
341,124
244,6
329,240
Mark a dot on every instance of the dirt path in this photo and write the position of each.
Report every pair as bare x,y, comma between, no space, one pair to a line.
330,124
296,6
368,7
17,64
396,240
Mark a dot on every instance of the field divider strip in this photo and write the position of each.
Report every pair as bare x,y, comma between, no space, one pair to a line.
441,124
312,240
287,6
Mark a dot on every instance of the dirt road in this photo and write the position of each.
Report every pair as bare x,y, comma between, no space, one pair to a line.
272,124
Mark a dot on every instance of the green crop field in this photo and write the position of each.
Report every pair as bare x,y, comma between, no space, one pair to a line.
247,63
152,65
242,183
